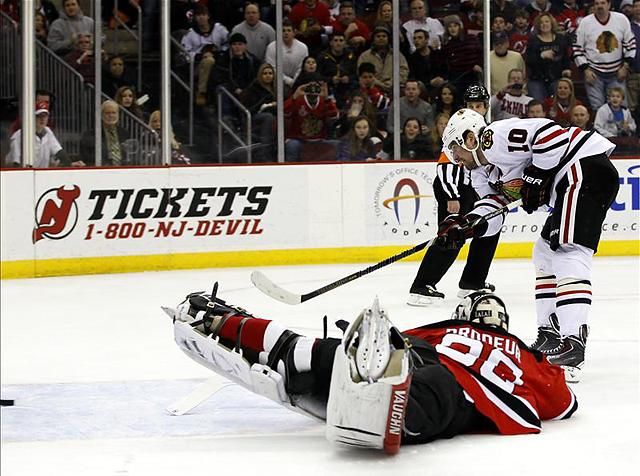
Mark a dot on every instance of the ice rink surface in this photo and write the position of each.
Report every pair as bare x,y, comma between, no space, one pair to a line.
92,365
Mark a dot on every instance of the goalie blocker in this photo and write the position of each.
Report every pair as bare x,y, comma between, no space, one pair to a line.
377,387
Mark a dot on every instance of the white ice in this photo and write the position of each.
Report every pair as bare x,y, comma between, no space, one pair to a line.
91,364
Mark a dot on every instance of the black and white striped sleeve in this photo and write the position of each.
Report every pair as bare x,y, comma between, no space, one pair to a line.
450,176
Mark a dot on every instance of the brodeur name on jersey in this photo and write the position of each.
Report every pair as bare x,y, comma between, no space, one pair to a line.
511,145
513,386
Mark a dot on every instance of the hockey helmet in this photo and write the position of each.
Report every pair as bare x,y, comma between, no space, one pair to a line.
482,307
459,125
476,92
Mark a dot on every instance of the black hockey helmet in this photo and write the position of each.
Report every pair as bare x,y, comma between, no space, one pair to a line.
483,307
476,92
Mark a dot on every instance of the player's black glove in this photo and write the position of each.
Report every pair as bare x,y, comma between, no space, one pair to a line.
451,234
536,188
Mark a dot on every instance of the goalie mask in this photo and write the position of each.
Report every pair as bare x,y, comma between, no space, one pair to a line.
370,383
459,126
483,308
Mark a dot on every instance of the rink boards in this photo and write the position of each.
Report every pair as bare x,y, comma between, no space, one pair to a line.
67,221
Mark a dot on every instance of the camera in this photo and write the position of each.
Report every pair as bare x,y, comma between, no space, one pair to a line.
516,86
312,88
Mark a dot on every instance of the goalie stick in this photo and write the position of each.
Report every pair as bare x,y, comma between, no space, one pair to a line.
271,289
198,396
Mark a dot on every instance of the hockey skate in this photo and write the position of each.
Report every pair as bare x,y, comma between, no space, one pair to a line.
466,288
424,296
548,341
570,356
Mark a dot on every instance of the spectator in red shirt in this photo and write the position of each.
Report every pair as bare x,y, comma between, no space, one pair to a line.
309,110
519,36
536,7
355,31
559,106
568,15
309,18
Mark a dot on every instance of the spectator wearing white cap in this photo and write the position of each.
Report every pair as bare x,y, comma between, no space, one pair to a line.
626,8
48,151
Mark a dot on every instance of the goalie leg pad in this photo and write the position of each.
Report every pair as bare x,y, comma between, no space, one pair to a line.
230,364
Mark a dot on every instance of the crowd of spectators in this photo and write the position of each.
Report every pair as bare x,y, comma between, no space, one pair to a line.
576,62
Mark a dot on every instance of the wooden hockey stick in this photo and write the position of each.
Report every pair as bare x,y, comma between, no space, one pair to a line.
264,284
199,395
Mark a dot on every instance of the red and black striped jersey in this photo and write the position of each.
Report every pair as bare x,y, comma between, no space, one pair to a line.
512,385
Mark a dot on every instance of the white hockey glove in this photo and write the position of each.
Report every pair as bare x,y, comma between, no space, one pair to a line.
370,384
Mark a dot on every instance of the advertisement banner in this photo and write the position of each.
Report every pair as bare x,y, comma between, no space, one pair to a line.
281,214
154,211
401,207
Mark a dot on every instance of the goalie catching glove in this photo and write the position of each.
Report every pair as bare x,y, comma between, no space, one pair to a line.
370,383
536,188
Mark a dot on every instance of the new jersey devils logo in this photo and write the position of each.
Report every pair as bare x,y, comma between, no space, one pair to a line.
56,213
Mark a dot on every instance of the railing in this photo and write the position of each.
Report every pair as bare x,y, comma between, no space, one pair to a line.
9,57
72,113
222,125
74,110
136,36
183,53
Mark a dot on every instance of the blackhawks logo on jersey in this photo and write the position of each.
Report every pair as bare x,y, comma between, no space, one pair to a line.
486,140
607,42
510,188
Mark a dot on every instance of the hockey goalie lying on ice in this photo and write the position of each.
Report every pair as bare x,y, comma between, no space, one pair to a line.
377,387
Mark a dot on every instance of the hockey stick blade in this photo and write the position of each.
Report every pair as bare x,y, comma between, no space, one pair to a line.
198,396
274,291
169,311
278,293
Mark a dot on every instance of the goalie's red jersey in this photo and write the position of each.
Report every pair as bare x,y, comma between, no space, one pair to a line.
509,383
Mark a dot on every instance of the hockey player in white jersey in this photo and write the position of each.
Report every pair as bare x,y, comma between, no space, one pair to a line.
568,169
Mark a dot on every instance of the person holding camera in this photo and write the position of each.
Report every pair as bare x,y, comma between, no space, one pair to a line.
511,101
308,111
